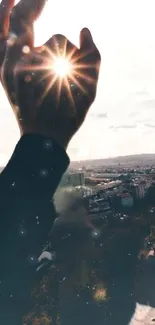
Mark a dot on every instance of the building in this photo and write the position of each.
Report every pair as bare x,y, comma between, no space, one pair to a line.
85,191
73,179
126,200
98,205
139,191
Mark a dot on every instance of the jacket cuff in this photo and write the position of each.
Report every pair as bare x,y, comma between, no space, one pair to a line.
42,159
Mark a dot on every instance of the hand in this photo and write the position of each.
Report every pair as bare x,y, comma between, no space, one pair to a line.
43,104
24,10
5,8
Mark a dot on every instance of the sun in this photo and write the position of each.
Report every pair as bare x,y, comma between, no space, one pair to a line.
62,67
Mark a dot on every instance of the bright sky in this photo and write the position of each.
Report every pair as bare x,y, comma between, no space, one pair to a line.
122,119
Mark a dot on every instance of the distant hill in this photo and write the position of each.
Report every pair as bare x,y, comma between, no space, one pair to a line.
139,159
129,160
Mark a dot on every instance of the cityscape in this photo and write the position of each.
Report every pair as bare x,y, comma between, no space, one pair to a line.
119,197
122,190
77,244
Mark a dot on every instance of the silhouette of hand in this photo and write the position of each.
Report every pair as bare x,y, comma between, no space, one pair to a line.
44,101
5,8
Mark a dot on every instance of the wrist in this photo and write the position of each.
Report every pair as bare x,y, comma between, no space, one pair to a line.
35,152
62,142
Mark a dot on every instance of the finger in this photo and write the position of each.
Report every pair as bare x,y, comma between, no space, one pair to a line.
86,40
21,36
88,66
90,55
24,83
5,9
21,27
29,10
60,46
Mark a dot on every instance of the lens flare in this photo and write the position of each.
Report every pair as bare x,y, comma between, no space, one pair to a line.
62,67
96,233
100,294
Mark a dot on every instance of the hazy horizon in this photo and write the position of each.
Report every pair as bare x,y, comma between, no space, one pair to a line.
122,119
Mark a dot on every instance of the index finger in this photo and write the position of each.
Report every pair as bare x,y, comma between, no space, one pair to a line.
5,8
21,27
29,10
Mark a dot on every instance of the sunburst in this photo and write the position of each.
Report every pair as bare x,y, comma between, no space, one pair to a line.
62,68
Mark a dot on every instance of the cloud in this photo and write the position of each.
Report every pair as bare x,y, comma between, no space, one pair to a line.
127,126
100,115
148,125
133,114
150,103
142,92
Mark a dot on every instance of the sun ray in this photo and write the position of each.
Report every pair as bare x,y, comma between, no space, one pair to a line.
65,49
44,77
82,55
69,91
51,55
74,72
71,54
57,46
59,87
84,66
70,96
86,77
77,83
48,88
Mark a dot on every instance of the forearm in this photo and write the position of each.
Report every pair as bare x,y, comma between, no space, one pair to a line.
27,185
39,162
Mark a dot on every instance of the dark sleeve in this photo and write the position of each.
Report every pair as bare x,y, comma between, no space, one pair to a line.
145,282
27,185
38,162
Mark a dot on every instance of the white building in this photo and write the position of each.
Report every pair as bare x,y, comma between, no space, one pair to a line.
86,191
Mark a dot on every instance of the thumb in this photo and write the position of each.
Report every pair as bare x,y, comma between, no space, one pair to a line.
86,40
